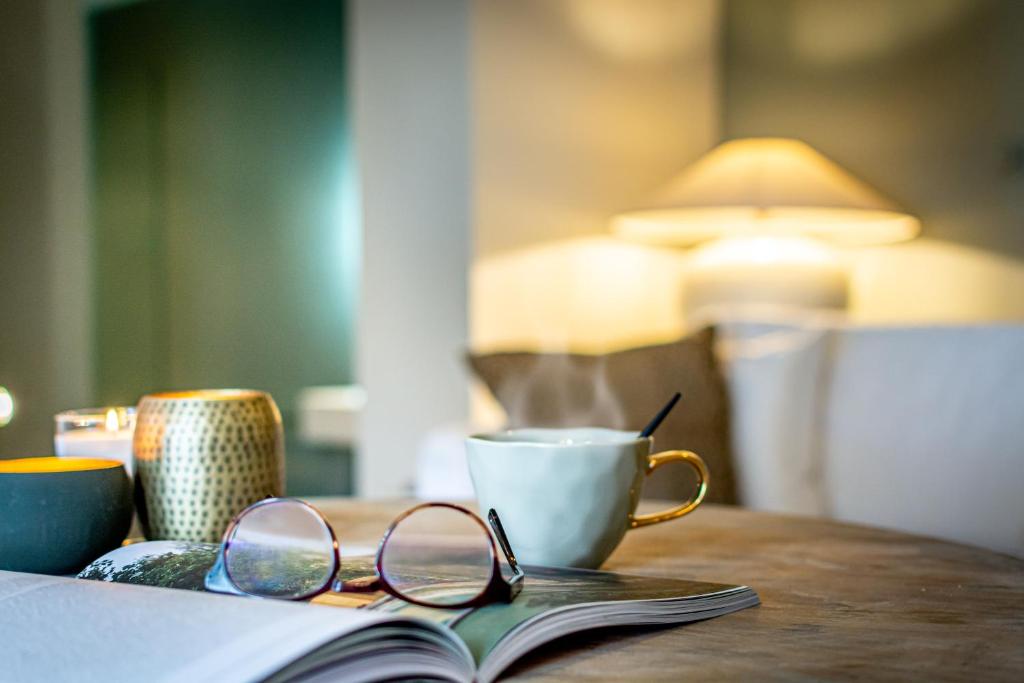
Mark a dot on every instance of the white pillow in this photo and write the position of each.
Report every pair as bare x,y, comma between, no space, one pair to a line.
773,373
925,432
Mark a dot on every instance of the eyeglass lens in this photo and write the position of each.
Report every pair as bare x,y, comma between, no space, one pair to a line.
438,556
281,549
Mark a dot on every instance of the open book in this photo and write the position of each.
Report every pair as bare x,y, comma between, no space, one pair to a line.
107,631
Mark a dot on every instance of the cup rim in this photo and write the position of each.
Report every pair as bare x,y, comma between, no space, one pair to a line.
626,437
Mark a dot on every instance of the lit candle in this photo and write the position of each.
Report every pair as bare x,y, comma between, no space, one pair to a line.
6,407
96,433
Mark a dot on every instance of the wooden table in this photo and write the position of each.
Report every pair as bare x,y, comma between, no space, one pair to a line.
838,602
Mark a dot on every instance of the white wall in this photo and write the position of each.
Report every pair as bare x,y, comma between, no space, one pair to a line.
582,108
411,123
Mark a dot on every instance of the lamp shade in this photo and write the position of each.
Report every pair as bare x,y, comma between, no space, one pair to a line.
766,186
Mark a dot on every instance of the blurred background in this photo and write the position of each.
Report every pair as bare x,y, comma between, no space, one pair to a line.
337,201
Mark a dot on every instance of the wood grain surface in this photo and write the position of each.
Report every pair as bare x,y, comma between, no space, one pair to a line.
839,602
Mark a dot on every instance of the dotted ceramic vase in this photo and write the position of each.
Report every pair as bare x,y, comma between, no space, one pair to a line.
202,457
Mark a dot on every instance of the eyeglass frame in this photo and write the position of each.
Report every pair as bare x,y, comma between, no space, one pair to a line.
499,589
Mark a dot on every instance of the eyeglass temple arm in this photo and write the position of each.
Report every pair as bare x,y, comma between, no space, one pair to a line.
499,533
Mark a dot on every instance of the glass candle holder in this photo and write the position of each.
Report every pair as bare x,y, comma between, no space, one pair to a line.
96,433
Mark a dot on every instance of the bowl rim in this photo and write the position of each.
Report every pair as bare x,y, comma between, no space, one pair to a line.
52,464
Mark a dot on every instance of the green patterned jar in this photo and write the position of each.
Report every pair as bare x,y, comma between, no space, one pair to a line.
204,456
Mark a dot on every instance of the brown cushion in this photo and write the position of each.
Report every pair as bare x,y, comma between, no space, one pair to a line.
624,390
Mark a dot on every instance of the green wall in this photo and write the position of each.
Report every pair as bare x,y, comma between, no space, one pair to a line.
220,148
220,154
26,240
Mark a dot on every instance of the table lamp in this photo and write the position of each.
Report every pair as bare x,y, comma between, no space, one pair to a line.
765,215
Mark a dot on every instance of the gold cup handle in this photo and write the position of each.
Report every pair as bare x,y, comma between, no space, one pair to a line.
657,460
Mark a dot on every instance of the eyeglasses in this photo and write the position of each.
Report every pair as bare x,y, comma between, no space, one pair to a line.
433,555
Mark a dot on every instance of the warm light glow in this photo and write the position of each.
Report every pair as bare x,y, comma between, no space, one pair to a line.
762,251
766,186
51,464
930,281
583,295
6,407
588,295
113,424
763,274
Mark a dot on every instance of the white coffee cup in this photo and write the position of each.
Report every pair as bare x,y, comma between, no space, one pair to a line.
566,497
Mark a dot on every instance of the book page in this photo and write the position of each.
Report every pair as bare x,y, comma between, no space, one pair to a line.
554,602
55,628
558,601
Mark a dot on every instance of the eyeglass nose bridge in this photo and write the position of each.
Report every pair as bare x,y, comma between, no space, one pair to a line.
365,584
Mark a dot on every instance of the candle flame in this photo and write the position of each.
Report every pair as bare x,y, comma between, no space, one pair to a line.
113,423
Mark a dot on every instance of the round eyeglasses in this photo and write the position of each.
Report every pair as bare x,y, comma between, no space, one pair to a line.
433,555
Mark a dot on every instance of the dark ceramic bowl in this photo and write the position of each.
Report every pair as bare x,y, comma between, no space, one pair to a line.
59,514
